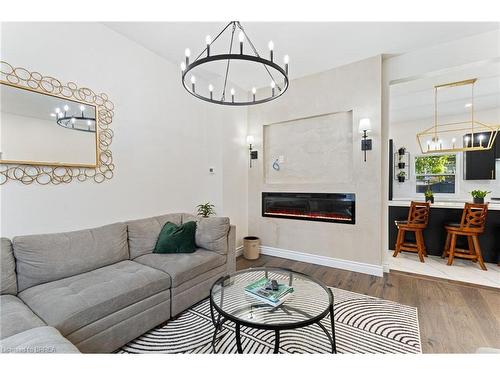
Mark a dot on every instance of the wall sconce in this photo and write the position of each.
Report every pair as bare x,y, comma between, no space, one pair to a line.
253,153
365,126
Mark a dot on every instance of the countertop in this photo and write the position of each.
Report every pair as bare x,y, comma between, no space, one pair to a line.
493,205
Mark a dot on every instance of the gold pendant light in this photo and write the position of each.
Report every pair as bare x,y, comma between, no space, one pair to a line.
457,136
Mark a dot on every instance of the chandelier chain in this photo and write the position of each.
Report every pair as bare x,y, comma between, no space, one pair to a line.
257,54
228,61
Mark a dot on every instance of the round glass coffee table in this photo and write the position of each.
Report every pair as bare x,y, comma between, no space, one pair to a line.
308,304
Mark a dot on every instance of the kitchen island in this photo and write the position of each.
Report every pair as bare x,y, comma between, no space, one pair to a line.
441,213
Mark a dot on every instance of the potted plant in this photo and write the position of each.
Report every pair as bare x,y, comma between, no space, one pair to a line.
401,176
478,195
206,209
429,195
402,151
401,165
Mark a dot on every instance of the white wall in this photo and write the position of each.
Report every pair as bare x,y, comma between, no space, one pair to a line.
165,140
355,87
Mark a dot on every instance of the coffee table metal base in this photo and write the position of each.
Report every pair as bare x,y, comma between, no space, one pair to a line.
219,322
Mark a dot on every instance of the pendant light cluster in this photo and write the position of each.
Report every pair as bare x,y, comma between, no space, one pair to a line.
278,84
468,135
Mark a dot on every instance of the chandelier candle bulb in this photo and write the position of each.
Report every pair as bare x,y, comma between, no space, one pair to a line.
271,50
273,85
254,91
183,66
211,89
193,82
480,137
241,38
453,142
187,52
286,60
428,145
208,40
232,95
66,108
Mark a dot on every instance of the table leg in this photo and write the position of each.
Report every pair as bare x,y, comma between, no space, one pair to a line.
276,341
332,320
238,339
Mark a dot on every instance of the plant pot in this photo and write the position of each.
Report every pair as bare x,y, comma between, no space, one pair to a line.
251,247
401,165
401,151
479,200
401,178
429,199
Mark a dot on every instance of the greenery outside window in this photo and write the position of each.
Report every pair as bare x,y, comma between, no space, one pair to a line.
437,172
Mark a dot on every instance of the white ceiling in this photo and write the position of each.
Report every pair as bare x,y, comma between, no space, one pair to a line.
414,100
312,47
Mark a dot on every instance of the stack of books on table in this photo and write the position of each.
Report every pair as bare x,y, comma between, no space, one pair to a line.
259,290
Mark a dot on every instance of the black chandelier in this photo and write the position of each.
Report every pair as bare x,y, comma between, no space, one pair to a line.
78,121
278,87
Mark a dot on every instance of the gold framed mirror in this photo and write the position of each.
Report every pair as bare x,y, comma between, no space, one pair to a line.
52,132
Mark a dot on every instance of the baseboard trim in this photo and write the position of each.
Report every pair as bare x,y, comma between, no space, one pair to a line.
239,251
349,265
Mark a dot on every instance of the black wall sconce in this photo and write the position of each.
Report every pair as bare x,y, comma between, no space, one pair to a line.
253,153
365,127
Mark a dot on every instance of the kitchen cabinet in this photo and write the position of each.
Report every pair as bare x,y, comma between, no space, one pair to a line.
480,165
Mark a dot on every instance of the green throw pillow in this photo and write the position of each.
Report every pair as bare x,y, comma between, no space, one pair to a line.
176,239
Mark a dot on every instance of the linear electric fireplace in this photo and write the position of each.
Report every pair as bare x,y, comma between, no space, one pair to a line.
331,207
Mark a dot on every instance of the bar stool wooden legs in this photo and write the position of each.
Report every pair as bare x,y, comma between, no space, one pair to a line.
471,226
418,218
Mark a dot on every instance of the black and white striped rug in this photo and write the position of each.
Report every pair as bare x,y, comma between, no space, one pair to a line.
363,324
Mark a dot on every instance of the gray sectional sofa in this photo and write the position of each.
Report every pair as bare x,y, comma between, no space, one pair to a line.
94,290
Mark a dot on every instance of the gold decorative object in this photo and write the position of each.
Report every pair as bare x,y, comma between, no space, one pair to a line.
28,173
468,135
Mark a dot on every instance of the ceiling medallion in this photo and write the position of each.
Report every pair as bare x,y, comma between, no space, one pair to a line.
219,95
457,136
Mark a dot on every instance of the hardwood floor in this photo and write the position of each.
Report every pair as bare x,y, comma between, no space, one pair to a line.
453,317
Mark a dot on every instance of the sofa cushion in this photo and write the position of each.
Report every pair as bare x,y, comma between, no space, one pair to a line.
47,257
38,341
143,233
72,303
176,238
16,317
211,232
8,282
183,267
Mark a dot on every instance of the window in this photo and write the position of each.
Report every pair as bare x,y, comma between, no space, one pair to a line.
436,172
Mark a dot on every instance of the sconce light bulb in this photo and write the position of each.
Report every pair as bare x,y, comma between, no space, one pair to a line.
254,90
241,36
66,108
210,88
187,52
286,59
233,92
270,45
183,66
208,39
273,84
193,79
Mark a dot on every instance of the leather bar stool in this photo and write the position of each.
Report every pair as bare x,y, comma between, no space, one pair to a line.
471,226
418,218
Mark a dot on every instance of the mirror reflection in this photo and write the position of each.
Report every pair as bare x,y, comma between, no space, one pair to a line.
43,129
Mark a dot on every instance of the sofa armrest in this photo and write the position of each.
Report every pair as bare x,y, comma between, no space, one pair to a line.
231,250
